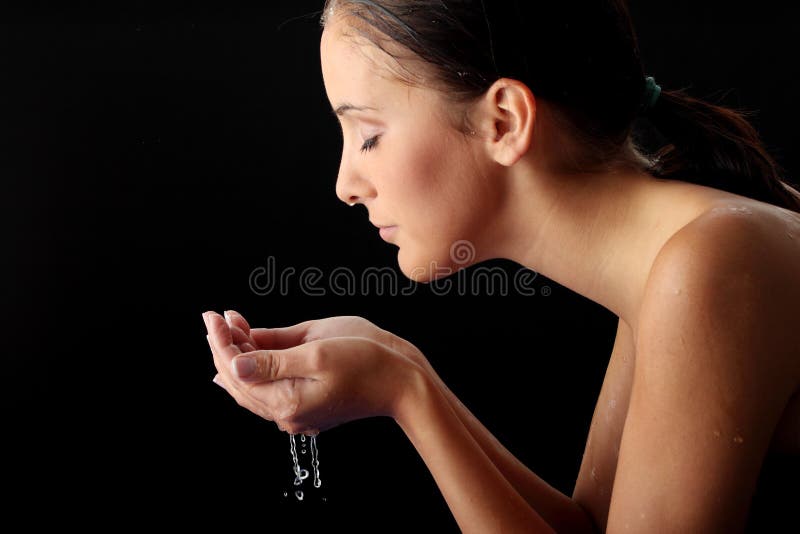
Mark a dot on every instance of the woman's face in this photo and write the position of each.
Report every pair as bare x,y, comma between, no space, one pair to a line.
403,160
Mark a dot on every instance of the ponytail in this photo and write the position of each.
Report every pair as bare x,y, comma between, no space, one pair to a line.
715,146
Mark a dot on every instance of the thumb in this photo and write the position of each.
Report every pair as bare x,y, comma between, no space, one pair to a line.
268,365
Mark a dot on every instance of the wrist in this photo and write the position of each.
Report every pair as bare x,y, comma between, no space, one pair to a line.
418,388
402,346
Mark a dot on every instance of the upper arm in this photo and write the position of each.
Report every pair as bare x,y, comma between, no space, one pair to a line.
707,391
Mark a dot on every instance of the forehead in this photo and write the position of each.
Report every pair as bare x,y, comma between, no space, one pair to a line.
347,56
385,76
353,66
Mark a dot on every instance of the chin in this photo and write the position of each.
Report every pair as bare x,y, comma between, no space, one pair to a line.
425,269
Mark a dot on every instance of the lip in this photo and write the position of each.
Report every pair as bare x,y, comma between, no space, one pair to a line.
386,231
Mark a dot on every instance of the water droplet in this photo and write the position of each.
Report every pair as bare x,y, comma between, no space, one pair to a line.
324,499
677,291
293,450
315,461
738,439
301,476
285,493
611,405
299,495
789,235
741,209
594,474
716,433
733,208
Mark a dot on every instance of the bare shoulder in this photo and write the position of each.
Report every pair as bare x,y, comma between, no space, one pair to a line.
738,261
758,238
715,333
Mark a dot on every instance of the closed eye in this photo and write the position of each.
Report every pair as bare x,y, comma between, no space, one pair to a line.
369,144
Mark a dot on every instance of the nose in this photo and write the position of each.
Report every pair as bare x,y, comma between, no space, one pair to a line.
351,185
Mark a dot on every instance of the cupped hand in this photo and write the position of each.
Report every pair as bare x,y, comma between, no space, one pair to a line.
248,339
305,382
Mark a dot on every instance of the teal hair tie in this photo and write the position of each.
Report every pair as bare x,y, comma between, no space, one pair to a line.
651,93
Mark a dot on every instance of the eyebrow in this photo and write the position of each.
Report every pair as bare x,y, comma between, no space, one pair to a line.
344,108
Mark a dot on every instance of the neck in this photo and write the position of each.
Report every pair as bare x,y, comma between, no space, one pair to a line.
596,234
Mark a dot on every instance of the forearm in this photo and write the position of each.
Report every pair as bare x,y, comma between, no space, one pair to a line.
559,510
478,494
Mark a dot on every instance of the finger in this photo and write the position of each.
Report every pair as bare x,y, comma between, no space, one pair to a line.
242,340
220,336
218,381
280,338
271,365
222,348
223,368
242,395
274,399
235,318
205,318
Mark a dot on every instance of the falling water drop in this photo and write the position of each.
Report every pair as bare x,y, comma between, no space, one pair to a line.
315,461
296,464
302,438
301,477
300,473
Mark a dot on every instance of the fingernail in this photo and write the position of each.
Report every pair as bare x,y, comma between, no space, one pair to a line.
244,366
227,318
218,382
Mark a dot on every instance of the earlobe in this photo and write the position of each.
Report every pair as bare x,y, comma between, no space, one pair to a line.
513,110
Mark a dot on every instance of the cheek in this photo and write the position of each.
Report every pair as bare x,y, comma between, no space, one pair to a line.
433,182
438,199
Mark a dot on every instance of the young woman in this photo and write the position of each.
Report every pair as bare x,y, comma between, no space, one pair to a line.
511,125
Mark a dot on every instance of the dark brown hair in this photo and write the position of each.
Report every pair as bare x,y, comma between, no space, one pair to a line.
582,58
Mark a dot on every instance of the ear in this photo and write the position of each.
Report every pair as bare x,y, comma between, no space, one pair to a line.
507,119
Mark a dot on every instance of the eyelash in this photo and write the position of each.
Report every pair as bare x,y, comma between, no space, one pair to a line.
369,144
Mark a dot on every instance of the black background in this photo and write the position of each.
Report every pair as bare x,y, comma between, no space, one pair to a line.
152,158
